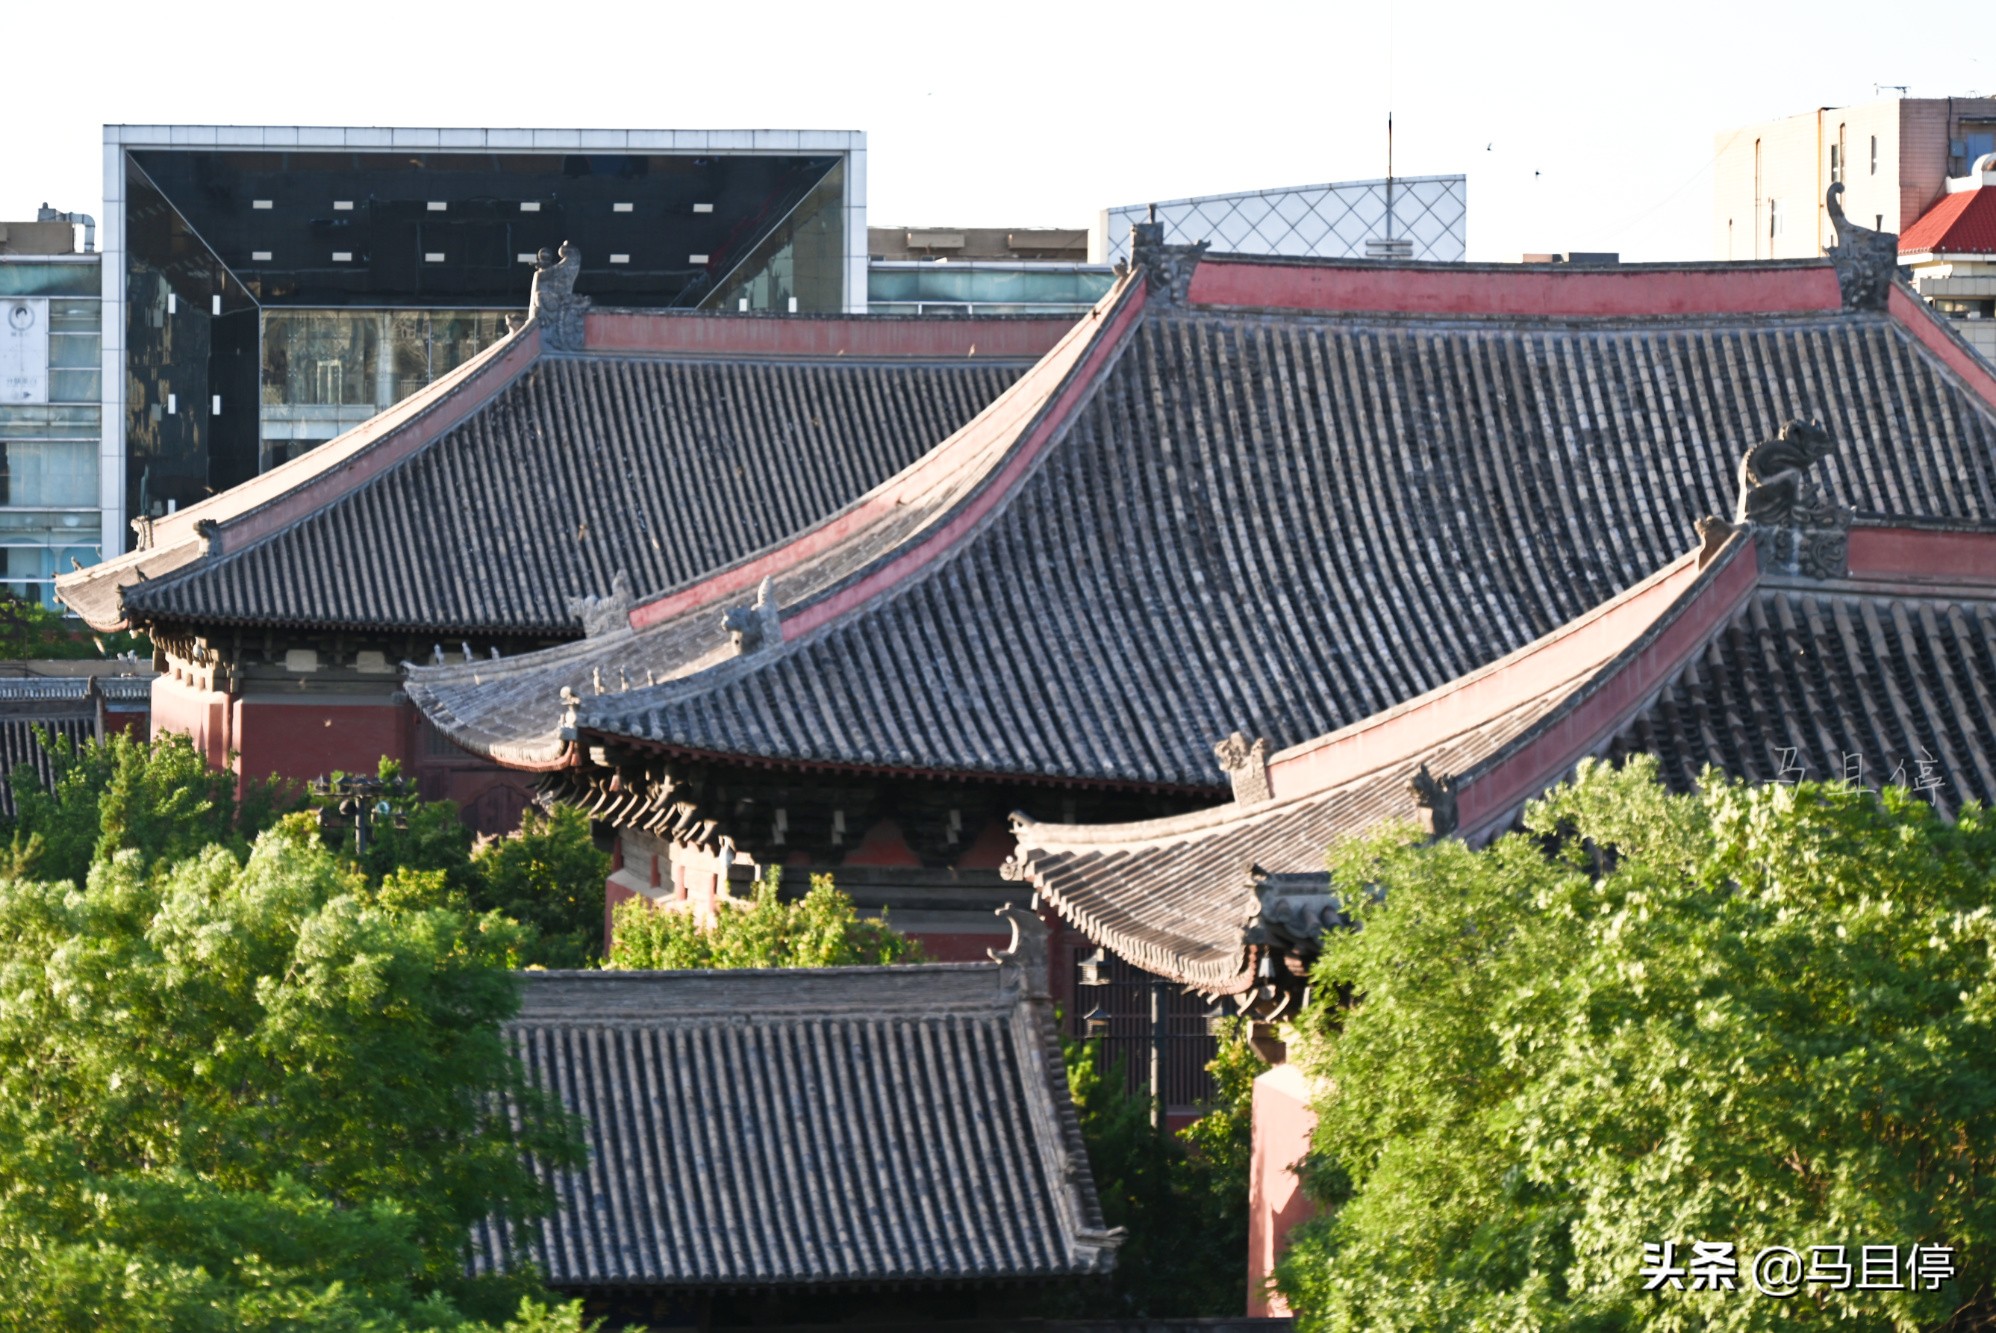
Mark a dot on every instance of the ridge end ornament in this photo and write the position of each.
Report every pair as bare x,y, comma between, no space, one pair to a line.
561,313
1167,269
755,625
1246,766
1804,531
1866,261
1434,802
605,614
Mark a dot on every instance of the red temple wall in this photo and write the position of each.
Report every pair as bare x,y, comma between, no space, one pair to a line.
1283,1124
308,738
203,716
311,736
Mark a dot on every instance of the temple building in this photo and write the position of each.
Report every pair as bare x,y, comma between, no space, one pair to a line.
1853,649
488,513
803,1146
73,702
1245,503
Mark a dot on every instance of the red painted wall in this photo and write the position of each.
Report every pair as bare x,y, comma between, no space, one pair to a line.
130,721
1551,291
1911,553
1283,1123
820,336
202,715
307,739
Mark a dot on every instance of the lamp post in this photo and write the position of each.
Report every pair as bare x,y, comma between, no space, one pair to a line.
1096,1021
361,800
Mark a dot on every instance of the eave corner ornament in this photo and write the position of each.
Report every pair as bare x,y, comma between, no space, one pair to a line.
755,625
1434,802
1167,268
1804,530
1866,261
561,313
1246,766
606,614
1025,958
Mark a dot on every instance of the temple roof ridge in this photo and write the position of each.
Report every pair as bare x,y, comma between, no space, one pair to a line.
1169,893
1456,492
898,533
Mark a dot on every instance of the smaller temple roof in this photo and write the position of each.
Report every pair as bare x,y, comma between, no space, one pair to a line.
1725,658
657,448
67,707
1963,222
810,1127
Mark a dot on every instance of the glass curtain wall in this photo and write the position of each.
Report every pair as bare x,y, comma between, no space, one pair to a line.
326,371
929,288
48,449
798,267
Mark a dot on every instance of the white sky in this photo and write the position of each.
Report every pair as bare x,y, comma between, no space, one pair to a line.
1579,128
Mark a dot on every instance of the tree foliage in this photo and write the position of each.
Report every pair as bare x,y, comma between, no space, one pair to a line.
158,799
250,1094
1757,1016
1180,1198
29,629
821,929
549,877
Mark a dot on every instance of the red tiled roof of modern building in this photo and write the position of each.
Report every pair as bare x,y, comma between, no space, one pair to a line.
1963,223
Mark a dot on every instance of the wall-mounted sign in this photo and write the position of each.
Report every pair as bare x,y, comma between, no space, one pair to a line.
24,349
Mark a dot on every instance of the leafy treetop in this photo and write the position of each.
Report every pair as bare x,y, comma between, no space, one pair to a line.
1757,1016
822,929
250,1094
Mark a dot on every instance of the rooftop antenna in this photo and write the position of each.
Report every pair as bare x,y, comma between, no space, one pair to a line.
1389,172
1389,246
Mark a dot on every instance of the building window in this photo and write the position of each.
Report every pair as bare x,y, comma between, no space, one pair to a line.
1773,219
1874,155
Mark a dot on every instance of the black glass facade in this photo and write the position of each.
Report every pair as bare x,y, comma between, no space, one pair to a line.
395,229
277,298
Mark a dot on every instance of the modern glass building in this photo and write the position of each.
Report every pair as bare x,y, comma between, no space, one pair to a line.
266,288
984,287
51,424
1407,217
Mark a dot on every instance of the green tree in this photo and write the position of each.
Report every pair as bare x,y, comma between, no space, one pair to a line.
548,876
28,629
1180,1198
1756,1016
156,798
822,929
253,1095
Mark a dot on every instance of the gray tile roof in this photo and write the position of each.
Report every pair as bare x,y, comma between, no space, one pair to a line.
59,706
578,469
125,689
1796,681
1280,522
837,1126
1801,684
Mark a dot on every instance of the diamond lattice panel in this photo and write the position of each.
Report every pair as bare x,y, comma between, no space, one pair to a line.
1323,221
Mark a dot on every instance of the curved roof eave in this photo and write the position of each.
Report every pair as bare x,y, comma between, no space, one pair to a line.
829,571
267,503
